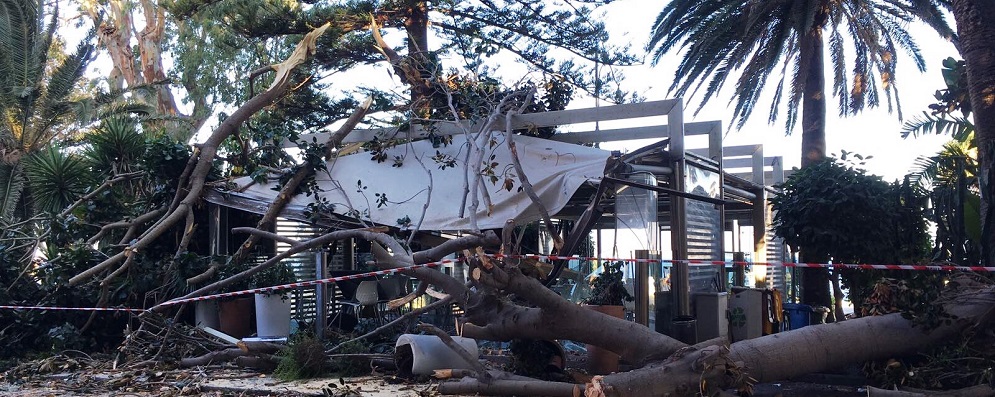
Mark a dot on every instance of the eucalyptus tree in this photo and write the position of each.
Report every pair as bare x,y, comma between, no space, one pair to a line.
564,40
751,42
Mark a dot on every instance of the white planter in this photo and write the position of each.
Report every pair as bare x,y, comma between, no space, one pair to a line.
430,353
272,316
206,314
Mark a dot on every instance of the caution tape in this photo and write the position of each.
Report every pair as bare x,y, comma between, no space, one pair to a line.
695,262
307,283
692,262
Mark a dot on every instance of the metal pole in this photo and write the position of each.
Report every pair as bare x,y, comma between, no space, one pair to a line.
642,290
680,275
739,271
321,300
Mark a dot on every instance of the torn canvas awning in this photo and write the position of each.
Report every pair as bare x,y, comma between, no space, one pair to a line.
354,183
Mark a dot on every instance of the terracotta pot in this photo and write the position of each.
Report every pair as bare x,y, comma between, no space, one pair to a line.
601,361
235,316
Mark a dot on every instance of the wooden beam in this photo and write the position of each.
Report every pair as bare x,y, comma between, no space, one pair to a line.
740,162
530,120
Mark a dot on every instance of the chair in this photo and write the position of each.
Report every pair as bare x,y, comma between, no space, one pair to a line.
392,287
366,296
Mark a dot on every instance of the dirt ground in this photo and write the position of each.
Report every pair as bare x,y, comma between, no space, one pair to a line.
81,375
230,382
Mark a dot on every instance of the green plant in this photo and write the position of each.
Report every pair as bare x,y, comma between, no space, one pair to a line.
608,289
834,211
278,274
303,358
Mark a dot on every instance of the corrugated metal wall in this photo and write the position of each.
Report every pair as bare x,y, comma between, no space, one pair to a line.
303,265
777,251
703,237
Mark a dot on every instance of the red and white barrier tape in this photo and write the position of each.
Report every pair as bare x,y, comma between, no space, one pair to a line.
307,283
691,262
695,262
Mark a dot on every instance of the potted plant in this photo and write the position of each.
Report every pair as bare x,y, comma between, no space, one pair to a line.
235,313
607,296
273,308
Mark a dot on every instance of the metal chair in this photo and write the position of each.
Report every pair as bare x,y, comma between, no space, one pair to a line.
366,296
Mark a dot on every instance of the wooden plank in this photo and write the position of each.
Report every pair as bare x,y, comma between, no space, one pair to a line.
746,162
588,115
531,120
731,151
220,335
625,134
620,134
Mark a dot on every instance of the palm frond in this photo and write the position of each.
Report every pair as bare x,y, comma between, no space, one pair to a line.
928,123
11,187
749,39
57,179
115,146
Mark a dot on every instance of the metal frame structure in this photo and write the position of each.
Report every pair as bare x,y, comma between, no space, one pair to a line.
742,195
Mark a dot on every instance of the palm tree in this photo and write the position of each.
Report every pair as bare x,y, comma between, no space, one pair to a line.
760,37
36,91
974,25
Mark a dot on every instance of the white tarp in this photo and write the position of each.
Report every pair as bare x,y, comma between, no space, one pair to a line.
353,182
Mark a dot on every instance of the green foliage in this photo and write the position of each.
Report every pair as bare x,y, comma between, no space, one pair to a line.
11,185
277,274
833,211
57,179
608,289
116,146
36,77
951,173
941,117
344,366
304,358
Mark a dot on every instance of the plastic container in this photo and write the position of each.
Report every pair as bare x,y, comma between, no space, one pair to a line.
799,315
272,316
685,329
206,314
429,353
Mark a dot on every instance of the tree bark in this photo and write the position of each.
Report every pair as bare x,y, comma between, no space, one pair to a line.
802,351
976,28
416,26
815,281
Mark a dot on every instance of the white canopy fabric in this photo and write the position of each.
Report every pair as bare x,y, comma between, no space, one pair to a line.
555,169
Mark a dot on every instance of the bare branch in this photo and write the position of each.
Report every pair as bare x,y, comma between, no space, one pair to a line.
110,181
208,150
407,316
522,177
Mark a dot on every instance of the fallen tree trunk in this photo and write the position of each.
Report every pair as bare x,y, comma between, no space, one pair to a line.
976,391
711,370
803,351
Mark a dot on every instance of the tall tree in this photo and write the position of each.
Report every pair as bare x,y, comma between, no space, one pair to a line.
37,83
759,38
564,40
975,28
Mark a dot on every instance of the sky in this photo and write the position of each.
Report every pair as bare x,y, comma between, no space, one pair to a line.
874,132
